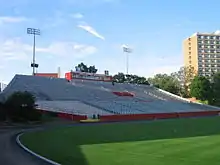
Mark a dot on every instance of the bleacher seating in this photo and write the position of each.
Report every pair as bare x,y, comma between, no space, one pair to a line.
94,97
75,107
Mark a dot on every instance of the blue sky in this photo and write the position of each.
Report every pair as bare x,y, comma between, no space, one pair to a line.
92,31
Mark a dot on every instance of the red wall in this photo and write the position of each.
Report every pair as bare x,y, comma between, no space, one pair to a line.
68,76
55,75
158,116
68,116
72,117
130,117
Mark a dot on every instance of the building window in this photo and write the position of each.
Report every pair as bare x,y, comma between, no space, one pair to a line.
189,53
189,43
189,39
190,62
189,57
189,48
206,51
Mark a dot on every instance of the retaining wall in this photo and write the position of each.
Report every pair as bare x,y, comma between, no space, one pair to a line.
156,116
130,117
67,116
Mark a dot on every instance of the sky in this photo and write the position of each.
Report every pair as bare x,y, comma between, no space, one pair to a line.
93,32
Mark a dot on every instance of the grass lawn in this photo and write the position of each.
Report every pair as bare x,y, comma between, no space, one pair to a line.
170,142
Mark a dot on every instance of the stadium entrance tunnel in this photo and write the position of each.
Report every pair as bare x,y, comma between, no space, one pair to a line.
129,94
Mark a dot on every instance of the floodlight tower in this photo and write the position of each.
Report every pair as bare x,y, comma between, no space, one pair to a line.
34,32
127,50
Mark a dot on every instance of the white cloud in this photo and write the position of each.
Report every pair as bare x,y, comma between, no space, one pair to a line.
14,49
8,19
19,55
91,30
69,49
77,16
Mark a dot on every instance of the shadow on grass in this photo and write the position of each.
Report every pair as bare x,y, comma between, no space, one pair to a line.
64,144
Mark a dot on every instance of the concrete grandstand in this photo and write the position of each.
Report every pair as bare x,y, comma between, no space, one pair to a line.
86,97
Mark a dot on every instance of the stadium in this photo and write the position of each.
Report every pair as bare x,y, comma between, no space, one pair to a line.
113,138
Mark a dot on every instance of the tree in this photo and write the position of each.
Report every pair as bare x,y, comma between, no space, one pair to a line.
21,107
84,68
216,89
200,88
92,69
119,78
21,99
184,76
2,112
134,79
166,82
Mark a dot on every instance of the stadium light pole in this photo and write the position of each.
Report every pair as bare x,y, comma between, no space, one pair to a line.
127,51
34,32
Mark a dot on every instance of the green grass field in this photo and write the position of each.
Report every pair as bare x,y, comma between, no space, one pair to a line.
170,142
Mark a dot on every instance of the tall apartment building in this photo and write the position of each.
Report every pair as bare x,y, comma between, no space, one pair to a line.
202,52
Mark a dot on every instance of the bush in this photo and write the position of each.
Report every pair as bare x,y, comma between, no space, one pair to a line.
21,107
2,112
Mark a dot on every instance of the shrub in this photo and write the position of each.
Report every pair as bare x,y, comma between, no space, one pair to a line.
21,107
2,112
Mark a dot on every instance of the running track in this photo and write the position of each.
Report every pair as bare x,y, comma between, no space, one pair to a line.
11,153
